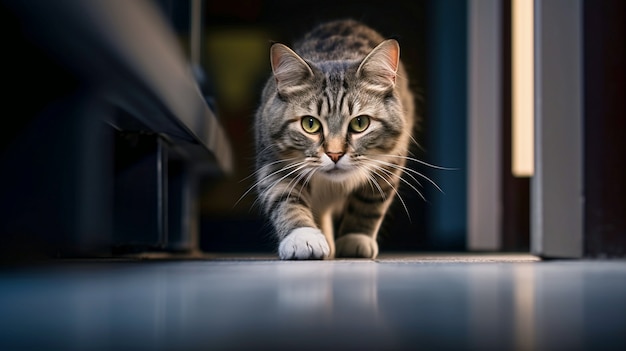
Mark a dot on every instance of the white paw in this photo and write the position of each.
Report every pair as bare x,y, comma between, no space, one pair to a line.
356,245
304,243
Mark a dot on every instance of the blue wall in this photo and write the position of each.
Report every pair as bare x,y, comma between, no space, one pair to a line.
447,121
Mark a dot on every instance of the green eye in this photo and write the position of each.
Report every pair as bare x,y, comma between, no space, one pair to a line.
359,124
311,124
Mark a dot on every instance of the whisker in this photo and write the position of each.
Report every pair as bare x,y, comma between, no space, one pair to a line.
402,180
267,165
308,179
422,162
372,181
294,165
295,182
271,145
407,169
416,143
277,182
395,190
404,170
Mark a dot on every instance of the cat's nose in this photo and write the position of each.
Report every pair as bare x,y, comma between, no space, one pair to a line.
335,156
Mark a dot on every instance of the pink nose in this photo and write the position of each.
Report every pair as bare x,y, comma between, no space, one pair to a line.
335,156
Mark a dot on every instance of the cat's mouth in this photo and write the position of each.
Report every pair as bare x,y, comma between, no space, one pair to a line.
336,171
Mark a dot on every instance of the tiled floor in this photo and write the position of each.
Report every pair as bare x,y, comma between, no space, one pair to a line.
425,302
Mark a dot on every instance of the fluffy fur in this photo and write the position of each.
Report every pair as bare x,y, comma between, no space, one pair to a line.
332,136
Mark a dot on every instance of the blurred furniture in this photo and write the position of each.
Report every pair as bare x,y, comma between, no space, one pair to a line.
111,165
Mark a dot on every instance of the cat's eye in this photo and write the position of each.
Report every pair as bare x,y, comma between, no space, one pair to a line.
359,124
311,124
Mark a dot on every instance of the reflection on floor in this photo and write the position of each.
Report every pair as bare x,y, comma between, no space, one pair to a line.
428,302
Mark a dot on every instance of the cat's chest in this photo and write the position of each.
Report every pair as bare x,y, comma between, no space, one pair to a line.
327,195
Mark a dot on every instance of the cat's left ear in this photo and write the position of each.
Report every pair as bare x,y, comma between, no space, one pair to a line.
380,66
290,70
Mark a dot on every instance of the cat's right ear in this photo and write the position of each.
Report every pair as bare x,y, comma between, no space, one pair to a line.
291,72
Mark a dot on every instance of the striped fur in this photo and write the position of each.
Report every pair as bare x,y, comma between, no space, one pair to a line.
326,193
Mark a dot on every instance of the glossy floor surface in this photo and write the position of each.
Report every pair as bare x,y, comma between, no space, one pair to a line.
396,303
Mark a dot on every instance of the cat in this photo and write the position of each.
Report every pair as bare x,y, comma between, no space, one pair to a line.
332,134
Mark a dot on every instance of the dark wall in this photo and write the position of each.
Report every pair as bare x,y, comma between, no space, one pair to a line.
605,128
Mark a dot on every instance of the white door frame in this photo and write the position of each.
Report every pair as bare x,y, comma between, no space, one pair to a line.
557,197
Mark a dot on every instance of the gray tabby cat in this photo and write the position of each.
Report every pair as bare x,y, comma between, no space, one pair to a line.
332,137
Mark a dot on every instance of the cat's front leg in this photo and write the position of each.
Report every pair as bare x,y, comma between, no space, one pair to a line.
363,214
357,245
304,243
298,234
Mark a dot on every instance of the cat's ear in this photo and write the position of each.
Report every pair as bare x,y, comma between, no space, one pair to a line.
290,70
380,66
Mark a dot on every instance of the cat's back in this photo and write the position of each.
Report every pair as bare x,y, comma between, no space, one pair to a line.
338,40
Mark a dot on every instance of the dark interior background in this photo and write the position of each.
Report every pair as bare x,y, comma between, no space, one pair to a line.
62,159
234,65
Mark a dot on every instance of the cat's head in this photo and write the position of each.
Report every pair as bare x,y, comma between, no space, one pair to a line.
337,116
